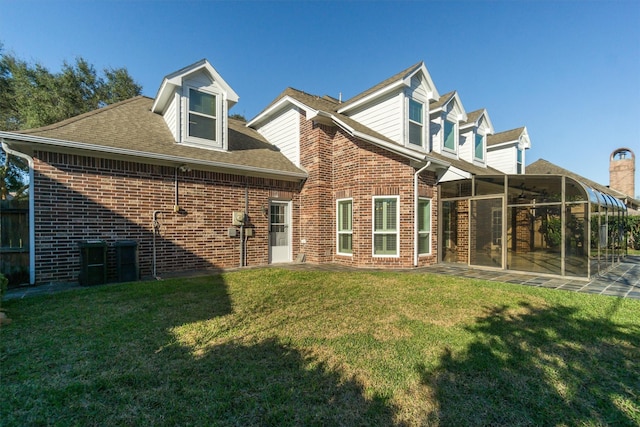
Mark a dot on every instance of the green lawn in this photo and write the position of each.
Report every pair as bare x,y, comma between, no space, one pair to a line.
277,347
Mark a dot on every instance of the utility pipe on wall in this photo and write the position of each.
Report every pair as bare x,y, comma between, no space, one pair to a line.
156,230
32,213
415,210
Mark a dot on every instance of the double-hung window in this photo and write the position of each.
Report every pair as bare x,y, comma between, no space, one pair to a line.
386,224
424,226
478,151
203,117
345,226
416,131
449,135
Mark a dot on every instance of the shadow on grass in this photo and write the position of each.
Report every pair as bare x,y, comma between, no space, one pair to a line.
540,366
269,383
110,356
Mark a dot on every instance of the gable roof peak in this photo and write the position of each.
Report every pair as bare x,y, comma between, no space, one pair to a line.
403,78
174,80
510,136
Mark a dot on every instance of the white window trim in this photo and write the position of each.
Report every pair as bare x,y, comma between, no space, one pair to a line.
456,140
422,126
220,114
484,151
521,162
373,227
429,232
338,231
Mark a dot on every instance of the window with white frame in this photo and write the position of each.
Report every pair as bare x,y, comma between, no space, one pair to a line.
345,226
203,117
424,226
449,135
386,224
478,149
416,121
519,161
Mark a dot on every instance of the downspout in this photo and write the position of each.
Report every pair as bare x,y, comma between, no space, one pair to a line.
243,234
32,213
415,211
156,230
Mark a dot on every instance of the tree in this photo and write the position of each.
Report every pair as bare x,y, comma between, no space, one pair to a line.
31,96
237,116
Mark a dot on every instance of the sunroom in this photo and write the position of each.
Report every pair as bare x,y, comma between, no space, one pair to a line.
543,224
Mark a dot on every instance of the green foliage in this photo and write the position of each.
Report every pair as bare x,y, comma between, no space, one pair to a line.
31,96
633,231
4,282
237,116
14,177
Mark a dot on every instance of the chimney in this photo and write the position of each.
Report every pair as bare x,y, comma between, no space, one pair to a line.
622,170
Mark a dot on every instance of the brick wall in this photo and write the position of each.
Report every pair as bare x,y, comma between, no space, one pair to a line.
80,198
341,166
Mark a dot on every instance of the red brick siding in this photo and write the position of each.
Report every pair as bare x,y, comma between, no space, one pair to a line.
341,166
81,198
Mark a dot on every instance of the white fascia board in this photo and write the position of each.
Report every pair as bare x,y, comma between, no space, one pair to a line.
309,112
487,125
162,97
454,174
461,113
374,95
524,137
488,122
432,91
177,77
173,80
502,145
82,146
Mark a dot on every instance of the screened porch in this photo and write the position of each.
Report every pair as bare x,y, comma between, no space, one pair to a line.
545,224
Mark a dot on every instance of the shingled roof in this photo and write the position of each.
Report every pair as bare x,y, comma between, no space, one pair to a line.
545,167
396,77
506,136
130,128
441,101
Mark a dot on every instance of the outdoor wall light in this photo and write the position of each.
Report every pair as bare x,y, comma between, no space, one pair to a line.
265,210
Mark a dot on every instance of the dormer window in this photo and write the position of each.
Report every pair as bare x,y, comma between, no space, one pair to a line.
194,102
203,125
416,129
450,135
478,149
519,156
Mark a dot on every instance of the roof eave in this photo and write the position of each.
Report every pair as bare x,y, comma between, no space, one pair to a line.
398,149
174,80
82,146
382,91
279,105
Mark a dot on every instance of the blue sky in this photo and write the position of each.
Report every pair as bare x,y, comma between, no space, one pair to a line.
568,70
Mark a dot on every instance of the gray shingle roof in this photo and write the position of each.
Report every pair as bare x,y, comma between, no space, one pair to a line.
441,101
545,167
402,74
130,125
506,136
473,116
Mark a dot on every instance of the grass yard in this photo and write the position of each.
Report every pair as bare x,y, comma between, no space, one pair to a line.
278,347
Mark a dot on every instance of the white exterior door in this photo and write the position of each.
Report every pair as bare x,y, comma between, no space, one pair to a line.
279,232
